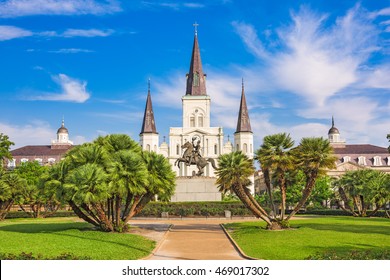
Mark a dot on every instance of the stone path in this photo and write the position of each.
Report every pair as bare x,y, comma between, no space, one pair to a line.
189,240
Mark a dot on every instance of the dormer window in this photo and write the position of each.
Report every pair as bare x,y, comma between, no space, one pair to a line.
377,161
362,160
346,159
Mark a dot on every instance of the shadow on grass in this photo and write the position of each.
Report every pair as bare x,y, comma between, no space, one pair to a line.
350,252
45,227
60,228
355,228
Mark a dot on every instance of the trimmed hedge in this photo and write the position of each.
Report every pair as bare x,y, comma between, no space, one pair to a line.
188,209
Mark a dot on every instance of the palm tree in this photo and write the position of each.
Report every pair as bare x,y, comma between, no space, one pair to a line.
314,156
233,174
10,184
109,181
275,160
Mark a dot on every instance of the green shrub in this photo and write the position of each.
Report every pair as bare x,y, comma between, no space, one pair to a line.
30,256
352,255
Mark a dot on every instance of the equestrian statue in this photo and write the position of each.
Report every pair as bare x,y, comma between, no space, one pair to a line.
192,156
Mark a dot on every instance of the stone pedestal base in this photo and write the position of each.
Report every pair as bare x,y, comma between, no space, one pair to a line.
196,189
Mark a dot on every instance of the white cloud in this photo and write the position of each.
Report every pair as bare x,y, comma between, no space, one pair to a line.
384,12
86,33
73,90
377,78
174,5
72,50
35,133
249,36
18,8
12,32
316,61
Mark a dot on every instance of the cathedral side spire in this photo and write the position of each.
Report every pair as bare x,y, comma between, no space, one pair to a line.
196,79
243,122
148,124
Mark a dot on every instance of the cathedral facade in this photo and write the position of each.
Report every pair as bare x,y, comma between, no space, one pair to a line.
196,125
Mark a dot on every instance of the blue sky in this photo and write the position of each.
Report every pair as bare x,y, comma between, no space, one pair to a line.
90,60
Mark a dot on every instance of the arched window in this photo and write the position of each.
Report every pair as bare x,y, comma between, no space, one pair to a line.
24,160
148,147
178,149
51,161
200,121
192,121
245,148
238,147
216,149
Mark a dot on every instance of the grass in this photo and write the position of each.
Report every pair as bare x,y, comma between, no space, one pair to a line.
52,237
312,235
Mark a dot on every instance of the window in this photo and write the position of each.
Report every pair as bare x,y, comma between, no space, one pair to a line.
177,149
155,148
215,149
362,160
51,161
192,121
245,148
24,160
39,160
200,121
346,159
388,161
148,147
11,163
251,148
377,161
238,147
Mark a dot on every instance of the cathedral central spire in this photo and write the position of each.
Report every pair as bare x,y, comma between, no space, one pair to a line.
243,122
196,79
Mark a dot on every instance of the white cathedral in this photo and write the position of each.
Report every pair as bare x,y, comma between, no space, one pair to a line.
196,104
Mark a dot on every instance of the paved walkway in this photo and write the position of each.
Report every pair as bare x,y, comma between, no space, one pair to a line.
191,240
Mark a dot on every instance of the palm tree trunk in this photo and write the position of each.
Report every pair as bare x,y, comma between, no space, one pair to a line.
282,186
105,224
136,200
267,182
376,210
310,182
257,205
238,190
117,211
81,214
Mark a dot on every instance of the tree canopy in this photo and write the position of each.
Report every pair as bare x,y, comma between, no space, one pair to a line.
110,180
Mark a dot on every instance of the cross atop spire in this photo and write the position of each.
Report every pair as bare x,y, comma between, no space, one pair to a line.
196,28
148,124
243,122
196,79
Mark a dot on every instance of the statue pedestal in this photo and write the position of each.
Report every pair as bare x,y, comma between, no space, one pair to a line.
196,189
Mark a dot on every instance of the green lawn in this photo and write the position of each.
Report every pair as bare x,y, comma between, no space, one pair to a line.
52,237
310,235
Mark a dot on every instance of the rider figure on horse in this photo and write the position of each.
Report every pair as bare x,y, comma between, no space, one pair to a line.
195,155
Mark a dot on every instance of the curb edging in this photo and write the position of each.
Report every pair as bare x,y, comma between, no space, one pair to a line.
236,245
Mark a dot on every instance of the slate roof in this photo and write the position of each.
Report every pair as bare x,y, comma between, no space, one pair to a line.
38,150
148,124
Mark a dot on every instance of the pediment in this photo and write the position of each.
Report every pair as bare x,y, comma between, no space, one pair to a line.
349,166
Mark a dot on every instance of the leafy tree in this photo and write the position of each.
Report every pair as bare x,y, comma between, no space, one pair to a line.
5,145
281,164
314,156
10,185
360,189
276,160
388,138
109,181
32,193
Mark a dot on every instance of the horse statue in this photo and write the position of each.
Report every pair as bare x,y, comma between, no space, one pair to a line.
191,156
